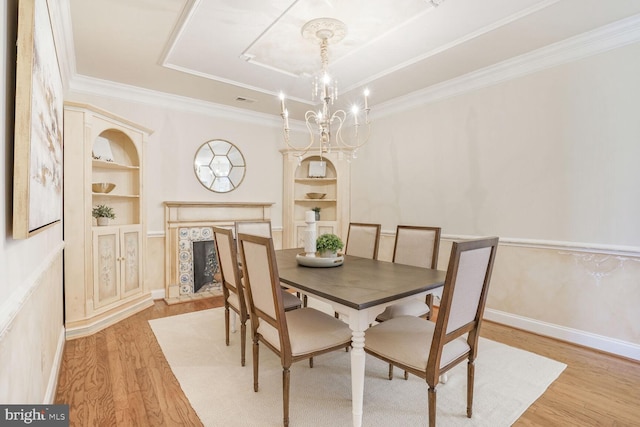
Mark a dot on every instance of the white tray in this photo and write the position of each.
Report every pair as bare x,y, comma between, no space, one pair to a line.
308,261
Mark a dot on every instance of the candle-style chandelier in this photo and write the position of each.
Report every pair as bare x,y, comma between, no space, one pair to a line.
325,89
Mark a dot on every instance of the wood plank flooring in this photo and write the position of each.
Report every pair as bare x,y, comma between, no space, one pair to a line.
119,377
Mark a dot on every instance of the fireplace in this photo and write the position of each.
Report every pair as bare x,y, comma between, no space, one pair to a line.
205,265
197,260
189,237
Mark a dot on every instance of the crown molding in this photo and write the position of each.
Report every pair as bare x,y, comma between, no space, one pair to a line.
612,36
108,89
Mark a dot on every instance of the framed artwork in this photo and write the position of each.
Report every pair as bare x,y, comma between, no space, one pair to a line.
38,172
317,169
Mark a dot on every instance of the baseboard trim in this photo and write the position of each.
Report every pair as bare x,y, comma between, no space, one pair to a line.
158,294
574,336
88,327
52,385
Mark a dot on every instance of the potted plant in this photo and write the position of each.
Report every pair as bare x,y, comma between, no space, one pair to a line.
103,213
328,245
317,211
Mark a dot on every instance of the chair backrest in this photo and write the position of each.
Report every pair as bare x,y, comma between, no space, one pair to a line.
228,262
463,298
257,228
363,240
264,295
417,246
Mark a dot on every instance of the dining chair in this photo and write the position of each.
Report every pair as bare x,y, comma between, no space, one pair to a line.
363,240
257,227
263,228
293,335
429,349
416,246
233,288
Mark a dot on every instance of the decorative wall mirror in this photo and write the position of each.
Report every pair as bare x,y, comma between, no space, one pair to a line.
219,166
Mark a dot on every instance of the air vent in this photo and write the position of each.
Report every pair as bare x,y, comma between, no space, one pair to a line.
246,100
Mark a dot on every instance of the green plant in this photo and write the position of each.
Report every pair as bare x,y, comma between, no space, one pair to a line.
316,209
328,242
103,211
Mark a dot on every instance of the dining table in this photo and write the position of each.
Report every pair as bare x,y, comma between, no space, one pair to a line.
359,289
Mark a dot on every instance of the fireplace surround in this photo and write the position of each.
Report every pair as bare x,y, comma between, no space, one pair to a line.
186,222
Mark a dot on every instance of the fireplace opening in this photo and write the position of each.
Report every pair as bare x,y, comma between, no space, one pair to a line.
205,265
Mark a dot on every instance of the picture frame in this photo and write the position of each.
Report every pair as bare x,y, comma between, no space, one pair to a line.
317,169
38,136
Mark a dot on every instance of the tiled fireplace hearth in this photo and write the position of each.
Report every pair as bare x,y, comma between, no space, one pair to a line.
188,222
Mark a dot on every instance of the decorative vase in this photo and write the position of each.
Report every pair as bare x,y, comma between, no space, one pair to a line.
103,221
317,216
328,254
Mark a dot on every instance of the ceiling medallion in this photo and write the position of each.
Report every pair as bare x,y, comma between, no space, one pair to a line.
327,31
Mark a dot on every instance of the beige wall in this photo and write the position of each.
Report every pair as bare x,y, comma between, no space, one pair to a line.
31,329
548,162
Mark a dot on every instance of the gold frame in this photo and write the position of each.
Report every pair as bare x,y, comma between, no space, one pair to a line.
38,157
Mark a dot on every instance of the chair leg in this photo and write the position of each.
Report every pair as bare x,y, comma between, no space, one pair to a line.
406,375
432,406
429,301
311,362
470,377
304,300
243,342
256,355
226,326
390,371
285,395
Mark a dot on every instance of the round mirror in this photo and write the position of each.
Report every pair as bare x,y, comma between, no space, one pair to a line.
219,166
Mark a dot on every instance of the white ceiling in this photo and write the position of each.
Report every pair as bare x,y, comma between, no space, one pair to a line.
221,50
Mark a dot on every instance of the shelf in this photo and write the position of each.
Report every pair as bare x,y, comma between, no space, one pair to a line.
316,200
116,196
307,180
112,165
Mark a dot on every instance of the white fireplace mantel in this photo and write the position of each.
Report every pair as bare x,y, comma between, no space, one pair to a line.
194,216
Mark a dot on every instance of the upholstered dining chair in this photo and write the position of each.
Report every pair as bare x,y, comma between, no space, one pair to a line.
263,228
417,246
293,335
259,228
363,240
233,288
429,349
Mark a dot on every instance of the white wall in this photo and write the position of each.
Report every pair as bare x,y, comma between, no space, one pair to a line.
31,325
549,163
551,156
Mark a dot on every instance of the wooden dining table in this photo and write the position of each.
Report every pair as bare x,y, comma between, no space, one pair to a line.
359,290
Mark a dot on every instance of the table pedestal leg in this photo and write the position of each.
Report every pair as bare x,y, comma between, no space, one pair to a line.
357,376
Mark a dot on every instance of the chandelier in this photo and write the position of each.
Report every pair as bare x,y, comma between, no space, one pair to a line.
350,133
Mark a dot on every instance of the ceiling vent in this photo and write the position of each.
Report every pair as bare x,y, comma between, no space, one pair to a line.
245,100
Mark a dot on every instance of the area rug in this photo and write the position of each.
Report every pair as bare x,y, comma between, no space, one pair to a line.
508,381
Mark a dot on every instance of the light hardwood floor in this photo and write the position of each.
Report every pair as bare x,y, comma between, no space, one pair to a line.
119,377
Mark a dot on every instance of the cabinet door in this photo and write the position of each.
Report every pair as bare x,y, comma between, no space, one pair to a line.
106,266
130,269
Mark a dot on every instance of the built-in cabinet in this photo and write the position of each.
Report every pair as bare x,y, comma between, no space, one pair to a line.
299,183
116,264
104,265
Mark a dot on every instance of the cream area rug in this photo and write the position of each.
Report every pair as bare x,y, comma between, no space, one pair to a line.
508,381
